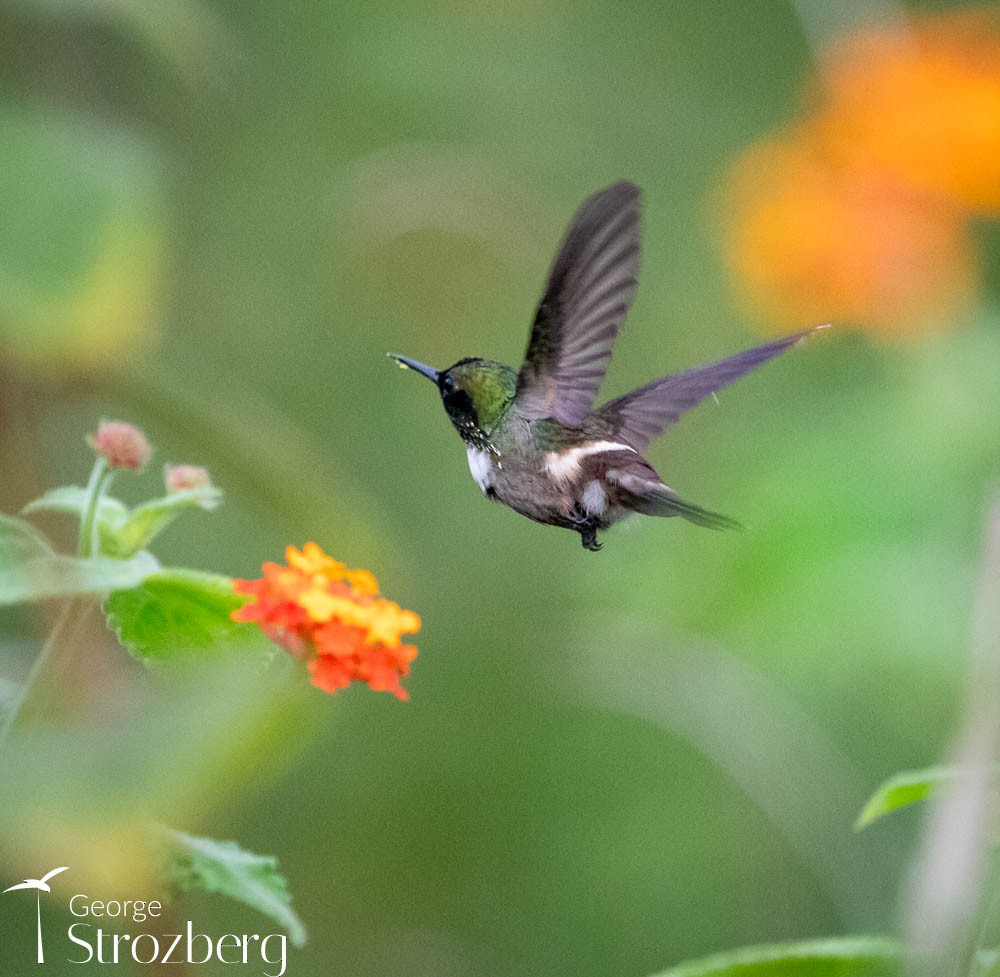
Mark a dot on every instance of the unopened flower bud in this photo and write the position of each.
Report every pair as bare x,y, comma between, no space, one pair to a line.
122,444
178,478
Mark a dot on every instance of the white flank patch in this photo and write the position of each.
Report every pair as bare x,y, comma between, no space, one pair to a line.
481,466
562,465
595,500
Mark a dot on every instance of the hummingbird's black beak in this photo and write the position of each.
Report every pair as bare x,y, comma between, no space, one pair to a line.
405,363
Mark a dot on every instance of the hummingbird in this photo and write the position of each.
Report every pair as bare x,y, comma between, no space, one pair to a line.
535,440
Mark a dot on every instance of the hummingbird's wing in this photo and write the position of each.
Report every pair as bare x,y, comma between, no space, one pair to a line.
589,291
644,414
54,872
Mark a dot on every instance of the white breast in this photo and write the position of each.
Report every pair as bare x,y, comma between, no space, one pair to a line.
563,465
595,499
481,466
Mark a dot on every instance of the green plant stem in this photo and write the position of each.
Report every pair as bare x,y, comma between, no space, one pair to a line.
72,616
52,658
988,907
99,477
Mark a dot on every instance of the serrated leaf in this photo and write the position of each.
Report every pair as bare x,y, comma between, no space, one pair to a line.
902,789
224,867
29,570
181,615
842,957
150,519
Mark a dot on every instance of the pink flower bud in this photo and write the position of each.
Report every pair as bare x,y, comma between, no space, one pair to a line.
181,477
122,444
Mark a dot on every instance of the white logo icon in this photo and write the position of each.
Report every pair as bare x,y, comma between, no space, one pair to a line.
40,886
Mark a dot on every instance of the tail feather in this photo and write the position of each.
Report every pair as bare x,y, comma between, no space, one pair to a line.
666,503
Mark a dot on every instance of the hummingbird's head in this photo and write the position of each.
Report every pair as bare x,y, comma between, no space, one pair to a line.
476,393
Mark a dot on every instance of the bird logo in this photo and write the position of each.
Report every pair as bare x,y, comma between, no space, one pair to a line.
39,885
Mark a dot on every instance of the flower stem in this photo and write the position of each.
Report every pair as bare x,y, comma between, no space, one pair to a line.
87,545
71,618
28,701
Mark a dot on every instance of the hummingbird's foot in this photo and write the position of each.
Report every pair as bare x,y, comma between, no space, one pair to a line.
587,528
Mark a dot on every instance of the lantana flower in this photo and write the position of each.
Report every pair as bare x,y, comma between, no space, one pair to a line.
333,618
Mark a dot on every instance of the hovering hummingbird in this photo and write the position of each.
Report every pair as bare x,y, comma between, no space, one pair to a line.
534,439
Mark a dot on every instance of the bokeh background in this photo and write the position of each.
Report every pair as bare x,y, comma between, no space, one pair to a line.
216,219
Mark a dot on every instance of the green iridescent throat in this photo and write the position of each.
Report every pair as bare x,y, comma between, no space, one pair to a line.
491,387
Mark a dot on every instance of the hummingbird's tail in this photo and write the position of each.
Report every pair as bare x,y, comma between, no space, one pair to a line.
664,502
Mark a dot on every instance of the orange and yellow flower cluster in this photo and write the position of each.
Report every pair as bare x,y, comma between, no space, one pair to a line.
333,618
861,212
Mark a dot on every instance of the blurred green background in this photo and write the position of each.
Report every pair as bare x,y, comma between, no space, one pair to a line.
217,218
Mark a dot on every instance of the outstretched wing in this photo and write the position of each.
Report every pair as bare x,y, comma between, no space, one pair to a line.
589,291
55,871
644,414
26,884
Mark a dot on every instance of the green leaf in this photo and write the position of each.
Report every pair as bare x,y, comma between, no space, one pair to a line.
987,962
840,957
180,616
71,499
84,235
57,575
30,570
902,789
20,541
123,533
224,867
151,518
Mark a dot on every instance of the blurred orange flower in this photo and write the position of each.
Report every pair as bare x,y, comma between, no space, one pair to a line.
332,617
810,242
922,102
861,213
